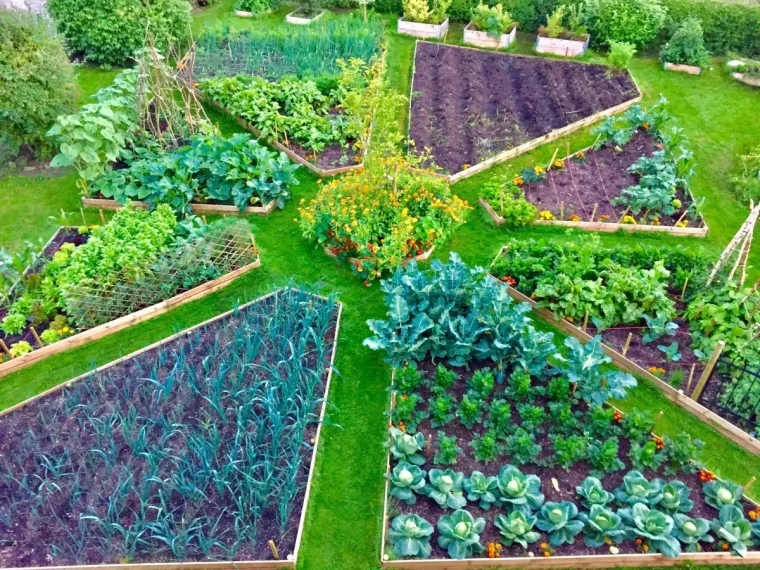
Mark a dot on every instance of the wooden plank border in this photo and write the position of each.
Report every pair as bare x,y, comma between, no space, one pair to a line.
353,260
722,426
210,565
200,209
96,333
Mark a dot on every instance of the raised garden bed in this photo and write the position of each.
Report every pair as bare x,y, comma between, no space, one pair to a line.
302,17
476,108
683,68
479,38
566,47
423,30
751,80
193,480
198,209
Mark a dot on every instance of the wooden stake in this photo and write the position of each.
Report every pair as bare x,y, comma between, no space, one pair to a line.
36,337
707,372
749,483
585,321
593,214
562,210
685,284
84,218
273,548
624,213
659,416
5,347
549,166
429,446
203,217
627,343
691,378
102,217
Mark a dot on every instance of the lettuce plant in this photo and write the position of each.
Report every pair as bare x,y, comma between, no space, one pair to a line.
405,480
410,536
675,498
407,447
592,493
637,489
733,528
517,527
600,526
691,531
445,488
560,521
719,493
460,534
518,491
656,527
481,488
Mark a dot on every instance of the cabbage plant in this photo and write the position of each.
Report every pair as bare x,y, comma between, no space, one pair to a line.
560,521
655,526
406,447
675,499
691,531
517,527
405,480
519,491
592,493
638,489
732,527
410,536
445,488
460,534
719,493
481,488
601,526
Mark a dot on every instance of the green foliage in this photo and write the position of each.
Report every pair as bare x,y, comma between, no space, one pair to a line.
20,348
675,499
110,31
638,424
410,536
691,531
600,422
554,27
459,534
481,382
564,419
441,410
657,327
13,323
521,446
405,412
481,489
499,418
408,378
569,450
405,480
682,453
621,54
416,10
733,528
445,377
485,447
407,447
36,82
633,21
670,351
560,521
603,455
592,493
558,389
652,525
533,417
518,491
447,450
508,201
645,455
491,19
517,528
719,493
601,526
687,45
446,488
638,489
520,385
254,6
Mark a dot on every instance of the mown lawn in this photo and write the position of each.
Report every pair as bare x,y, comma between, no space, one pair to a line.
344,517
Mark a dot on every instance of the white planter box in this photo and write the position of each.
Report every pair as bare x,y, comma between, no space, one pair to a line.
301,21
746,79
423,30
690,69
482,39
243,14
558,46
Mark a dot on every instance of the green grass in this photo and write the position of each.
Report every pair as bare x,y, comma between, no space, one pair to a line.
344,516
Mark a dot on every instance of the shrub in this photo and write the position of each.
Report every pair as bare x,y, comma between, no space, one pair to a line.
687,45
633,21
620,54
36,82
110,31
491,19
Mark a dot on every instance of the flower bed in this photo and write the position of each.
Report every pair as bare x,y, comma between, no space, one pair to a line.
475,108
184,430
500,447
135,267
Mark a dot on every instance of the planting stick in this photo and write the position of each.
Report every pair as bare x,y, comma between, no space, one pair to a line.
624,213
707,372
273,548
659,416
36,337
685,284
627,344
585,321
749,483
691,377
203,217
102,217
5,347
429,446
562,210
549,166
84,218
593,214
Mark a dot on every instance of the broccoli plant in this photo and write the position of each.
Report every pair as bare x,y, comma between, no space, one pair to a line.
447,450
500,417
409,535
691,531
521,446
485,447
470,410
460,534
406,447
482,382
719,493
653,526
592,493
405,480
517,527
733,529
518,491
441,410
601,526
481,489
445,488
675,499
636,489
561,521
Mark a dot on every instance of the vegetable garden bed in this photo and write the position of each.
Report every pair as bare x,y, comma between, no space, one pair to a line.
683,68
491,101
193,423
198,209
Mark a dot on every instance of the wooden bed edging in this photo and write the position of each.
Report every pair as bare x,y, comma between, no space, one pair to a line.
124,322
200,209
202,565
353,260
604,226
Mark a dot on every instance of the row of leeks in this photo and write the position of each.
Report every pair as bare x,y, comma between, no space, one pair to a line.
184,452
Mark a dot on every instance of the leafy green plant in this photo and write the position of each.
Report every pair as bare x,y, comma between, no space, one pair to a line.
554,27
691,531
408,378
410,536
499,418
600,422
633,21
682,453
560,521
719,493
13,323
638,489
637,425
459,534
441,410
558,389
686,45
445,488
652,525
470,411
517,527
481,489
405,412
670,351
509,202
658,326
485,447
445,377
416,10
521,446
532,417
569,450
603,456
592,492
675,499
481,382
492,19
601,526
20,348
732,528
621,54
565,420
520,385
518,491
447,450
646,455
407,447
405,480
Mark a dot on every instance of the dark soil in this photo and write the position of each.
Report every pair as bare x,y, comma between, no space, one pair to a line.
468,105
334,156
598,178
567,479
65,431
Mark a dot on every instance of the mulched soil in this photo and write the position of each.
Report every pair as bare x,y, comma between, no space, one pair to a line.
468,104
334,156
567,479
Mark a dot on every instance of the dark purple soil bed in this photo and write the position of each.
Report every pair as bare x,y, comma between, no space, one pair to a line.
469,105
334,156
567,479
61,427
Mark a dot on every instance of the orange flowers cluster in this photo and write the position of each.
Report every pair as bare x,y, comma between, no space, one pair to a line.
617,417
752,515
659,442
604,218
656,371
642,545
546,549
493,549
574,218
706,476
509,280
